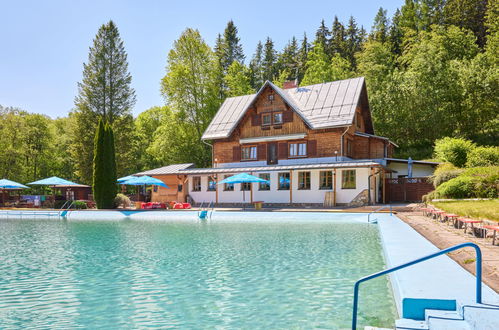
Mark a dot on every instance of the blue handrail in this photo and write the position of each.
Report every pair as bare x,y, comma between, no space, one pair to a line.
433,255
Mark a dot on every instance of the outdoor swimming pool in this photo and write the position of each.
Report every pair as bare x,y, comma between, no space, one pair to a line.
241,270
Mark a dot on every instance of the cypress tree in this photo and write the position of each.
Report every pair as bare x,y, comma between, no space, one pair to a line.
104,167
98,161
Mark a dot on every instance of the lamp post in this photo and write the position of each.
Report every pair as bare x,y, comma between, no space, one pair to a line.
336,155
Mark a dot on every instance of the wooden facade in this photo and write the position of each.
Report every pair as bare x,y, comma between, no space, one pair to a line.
176,191
258,122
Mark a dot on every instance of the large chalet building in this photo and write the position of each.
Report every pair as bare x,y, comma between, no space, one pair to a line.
315,144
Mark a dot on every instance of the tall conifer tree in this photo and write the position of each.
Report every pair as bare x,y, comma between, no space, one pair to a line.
104,92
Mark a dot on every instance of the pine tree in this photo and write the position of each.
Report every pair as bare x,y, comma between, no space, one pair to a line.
104,92
303,57
352,42
379,31
409,17
288,61
395,34
269,61
337,45
322,36
232,50
255,67
318,66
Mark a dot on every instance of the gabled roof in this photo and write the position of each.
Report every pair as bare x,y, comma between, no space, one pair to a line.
170,169
320,106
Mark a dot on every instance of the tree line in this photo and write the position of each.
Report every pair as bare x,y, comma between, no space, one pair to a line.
431,71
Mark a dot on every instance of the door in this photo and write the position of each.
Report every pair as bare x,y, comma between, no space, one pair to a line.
271,153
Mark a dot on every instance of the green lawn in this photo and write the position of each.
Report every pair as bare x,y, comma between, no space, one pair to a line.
488,209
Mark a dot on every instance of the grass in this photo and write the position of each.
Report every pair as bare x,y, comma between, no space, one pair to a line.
480,209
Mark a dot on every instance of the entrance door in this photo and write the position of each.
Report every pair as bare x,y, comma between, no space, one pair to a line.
271,153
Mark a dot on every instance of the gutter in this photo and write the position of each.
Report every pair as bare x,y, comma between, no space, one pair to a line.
341,140
212,152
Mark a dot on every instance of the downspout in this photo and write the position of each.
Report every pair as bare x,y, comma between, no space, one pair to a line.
341,141
212,155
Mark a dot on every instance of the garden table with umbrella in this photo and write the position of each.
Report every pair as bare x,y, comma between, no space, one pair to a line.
242,178
9,185
144,180
53,182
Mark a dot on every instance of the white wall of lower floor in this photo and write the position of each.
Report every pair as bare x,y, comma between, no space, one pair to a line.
274,195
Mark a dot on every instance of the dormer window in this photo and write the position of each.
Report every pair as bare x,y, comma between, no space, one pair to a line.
277,118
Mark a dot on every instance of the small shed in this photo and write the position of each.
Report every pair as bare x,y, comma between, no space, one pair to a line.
76,192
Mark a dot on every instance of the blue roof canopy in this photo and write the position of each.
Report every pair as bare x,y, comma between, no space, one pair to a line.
8,184
125,178
242,178
144,180
53,181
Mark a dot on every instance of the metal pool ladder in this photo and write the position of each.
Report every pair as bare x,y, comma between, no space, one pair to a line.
378,209
207,212
478,253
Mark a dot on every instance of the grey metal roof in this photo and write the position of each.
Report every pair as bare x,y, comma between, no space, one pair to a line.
399,160
282,167
321,106
170,169
376,136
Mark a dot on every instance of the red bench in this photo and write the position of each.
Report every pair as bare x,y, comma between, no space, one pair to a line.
495,229
468,221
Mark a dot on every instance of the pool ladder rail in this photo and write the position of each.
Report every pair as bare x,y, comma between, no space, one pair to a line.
374,221
65,209
61,213
205,213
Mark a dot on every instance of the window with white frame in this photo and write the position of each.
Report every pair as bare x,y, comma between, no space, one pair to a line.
196,183
248,153
277,118
298,149
264,186
303,180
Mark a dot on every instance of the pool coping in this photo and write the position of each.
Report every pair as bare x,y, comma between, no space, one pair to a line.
440,278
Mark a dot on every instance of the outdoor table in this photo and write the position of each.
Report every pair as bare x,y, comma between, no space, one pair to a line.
495,229
449,216
469,221
438,214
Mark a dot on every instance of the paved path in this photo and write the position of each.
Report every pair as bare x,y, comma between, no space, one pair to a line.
443,236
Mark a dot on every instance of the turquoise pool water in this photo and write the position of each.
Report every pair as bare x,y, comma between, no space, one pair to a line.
284,274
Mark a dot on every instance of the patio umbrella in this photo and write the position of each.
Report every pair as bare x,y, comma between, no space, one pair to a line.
144,181
8,184
53,181
409,167
125,178
242,178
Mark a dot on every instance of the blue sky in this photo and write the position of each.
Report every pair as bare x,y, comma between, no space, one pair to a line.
43,44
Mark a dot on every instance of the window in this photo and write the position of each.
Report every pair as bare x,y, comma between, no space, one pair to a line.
326,180
348,179
358,120
284,181
277,118
298,149
349,148
228,186
263,186
246,186
266,119
271,97
212,184
196,183
248,153
303,180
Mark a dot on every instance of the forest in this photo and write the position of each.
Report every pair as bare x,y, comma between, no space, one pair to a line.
431,71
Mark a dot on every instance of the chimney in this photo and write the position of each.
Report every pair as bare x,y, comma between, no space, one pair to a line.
290,84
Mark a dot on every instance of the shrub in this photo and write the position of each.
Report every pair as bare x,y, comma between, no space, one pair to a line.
122,200
79,205
460,187
444,173
454,151
483,156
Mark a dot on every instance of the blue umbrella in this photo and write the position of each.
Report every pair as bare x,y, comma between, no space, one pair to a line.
409,167
144,180
242,178
8,184
53,181
125,178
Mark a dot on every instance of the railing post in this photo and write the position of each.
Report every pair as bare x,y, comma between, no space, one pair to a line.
355,305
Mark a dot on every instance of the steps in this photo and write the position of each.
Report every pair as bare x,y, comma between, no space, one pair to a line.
464,317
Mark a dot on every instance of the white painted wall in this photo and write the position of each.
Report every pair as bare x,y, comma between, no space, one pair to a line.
418,170
274,195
